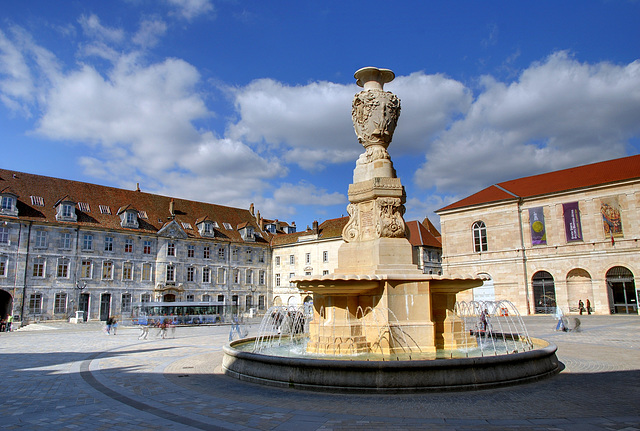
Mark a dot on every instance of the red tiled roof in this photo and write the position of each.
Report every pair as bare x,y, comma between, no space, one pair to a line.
419,235
611,171
331,228
155,206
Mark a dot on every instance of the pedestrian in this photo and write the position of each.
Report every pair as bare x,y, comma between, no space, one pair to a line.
9,322
235,326
588,306
483,319
144,332
580,306
109,325
560,316
114,325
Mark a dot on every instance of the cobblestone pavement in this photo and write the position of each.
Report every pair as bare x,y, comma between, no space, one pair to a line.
59,376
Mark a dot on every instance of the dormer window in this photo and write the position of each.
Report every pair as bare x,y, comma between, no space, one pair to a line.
66,210
9,200
205,228
247,232
128,217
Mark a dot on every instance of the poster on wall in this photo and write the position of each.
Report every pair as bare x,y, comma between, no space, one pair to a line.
536,221
572,225
611,220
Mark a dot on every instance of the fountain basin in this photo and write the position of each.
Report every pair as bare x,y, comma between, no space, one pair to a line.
361,376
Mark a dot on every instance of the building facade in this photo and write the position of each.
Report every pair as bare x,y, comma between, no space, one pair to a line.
67,246
552,240
314,252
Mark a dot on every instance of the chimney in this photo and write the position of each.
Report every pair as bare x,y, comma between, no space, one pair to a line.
259,220
172,209
251,209
277,225
137,187
315,226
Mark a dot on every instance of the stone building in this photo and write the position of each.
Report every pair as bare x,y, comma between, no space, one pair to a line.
552,239
314,252
67,246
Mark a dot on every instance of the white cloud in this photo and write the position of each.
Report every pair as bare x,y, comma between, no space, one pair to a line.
92,27
559,113
305,193
149,33
189,9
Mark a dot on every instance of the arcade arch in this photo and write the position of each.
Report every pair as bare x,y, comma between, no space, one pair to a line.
621,288
579,287
544,292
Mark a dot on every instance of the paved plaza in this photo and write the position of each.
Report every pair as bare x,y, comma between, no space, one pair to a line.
59,376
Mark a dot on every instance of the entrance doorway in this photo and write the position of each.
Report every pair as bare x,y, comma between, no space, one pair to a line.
6,303
105,306
83,305
544,292
622,291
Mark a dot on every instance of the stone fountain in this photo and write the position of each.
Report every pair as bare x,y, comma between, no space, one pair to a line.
376,289
375,264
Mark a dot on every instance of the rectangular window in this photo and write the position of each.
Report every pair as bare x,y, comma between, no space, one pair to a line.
221,275
171,273
3,266
63,268
236,276
85,269
65,241
190,298
128,245
127,271
307,258
249,256
277,280
132,217
206,298
261,302
87,242
60,303
146,249
146,272
291,275
4,235
221,253
221,299
206,275
307,273
108,243
206,252
249,277
325,256
234,254
35,303
325,272
191,274
67,211
126,303
292,260
145,297
261,258
107,270
261,279
277,260
7,203
191,250
38,267
41,239
171,249
248,300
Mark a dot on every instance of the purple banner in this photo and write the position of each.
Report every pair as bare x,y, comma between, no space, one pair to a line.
572,225
536,222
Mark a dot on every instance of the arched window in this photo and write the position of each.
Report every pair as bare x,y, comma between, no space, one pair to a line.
544,292
622,290
479,237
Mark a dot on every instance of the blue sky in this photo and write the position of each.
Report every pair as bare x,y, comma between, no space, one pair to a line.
234,102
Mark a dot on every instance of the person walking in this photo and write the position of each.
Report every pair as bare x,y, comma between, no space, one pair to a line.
588,306
560,316
580,306
9,322
109,321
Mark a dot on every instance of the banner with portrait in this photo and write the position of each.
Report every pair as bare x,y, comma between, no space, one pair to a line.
572,225
536,223
611,220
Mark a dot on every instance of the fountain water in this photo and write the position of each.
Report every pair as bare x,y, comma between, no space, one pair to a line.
377,302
